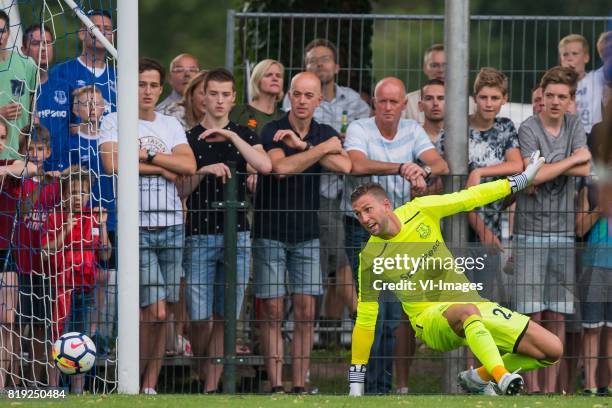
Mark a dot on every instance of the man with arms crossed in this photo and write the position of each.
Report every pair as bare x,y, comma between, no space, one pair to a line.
544,224
286,233
340,106
164,156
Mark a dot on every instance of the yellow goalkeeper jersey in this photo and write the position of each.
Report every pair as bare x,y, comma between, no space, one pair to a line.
420,237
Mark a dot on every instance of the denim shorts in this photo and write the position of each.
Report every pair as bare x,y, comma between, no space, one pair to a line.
161,257
272,260
597,304
205,276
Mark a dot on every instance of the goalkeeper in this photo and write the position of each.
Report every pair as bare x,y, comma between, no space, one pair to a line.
442,318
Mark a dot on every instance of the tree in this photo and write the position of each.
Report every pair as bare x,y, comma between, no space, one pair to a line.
284,39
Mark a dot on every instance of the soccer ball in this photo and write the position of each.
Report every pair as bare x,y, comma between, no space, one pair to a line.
74,353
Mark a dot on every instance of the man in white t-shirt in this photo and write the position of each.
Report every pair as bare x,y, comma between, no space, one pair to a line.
574,54
164,156
386,147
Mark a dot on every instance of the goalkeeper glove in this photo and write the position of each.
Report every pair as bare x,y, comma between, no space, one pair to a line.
520,181
357,374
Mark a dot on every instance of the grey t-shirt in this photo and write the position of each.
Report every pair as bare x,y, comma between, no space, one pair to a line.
550,210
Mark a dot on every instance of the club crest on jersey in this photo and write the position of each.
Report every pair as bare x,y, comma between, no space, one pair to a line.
60,97
423,230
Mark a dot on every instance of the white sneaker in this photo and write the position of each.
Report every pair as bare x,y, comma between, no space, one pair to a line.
470,382
149,391
511,384
491,389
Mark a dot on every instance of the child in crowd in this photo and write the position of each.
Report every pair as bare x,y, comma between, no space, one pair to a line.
38,196
11,172
76,240
88,106
544,224
493,153
574,54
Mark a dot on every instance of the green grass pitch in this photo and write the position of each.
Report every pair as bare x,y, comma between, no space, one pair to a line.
271,401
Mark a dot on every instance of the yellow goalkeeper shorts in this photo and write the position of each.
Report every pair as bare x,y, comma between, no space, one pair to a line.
506,327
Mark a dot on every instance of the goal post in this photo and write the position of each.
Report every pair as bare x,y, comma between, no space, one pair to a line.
127,198
127,192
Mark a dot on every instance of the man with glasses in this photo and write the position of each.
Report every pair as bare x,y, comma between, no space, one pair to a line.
91,67
434,67
17,82
182,68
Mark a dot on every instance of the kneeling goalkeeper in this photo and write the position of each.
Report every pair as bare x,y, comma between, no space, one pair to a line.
443,319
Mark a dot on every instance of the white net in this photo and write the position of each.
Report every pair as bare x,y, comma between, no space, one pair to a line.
57,204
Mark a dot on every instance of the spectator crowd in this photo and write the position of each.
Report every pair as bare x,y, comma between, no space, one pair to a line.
296,158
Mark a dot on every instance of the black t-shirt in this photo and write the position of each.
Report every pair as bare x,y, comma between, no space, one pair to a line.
286,209
203,218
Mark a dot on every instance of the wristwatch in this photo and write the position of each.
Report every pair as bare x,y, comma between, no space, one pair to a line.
308,146
150,155
427,170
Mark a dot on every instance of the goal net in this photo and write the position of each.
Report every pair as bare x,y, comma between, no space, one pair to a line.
57,203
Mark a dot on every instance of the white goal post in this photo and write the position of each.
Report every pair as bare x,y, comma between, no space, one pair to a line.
127,193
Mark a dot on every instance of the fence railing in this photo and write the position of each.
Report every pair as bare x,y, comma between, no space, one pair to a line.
244,265
377,45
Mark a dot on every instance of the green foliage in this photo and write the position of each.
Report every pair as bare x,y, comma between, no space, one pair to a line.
284,39
168,28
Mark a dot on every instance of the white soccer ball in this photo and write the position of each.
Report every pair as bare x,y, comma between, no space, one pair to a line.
74,353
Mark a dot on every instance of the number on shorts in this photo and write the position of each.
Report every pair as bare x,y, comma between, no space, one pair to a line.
498,311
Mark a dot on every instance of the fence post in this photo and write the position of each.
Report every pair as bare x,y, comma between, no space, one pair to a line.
230,207
456,46
229,38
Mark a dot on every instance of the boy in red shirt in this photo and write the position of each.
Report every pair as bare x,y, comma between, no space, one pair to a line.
76,239
38,195
11,172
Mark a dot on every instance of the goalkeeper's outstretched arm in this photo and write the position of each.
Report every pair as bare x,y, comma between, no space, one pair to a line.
441,206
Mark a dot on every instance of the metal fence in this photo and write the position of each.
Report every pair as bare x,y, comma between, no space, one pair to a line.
240,268
268,272
377,45
370,47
